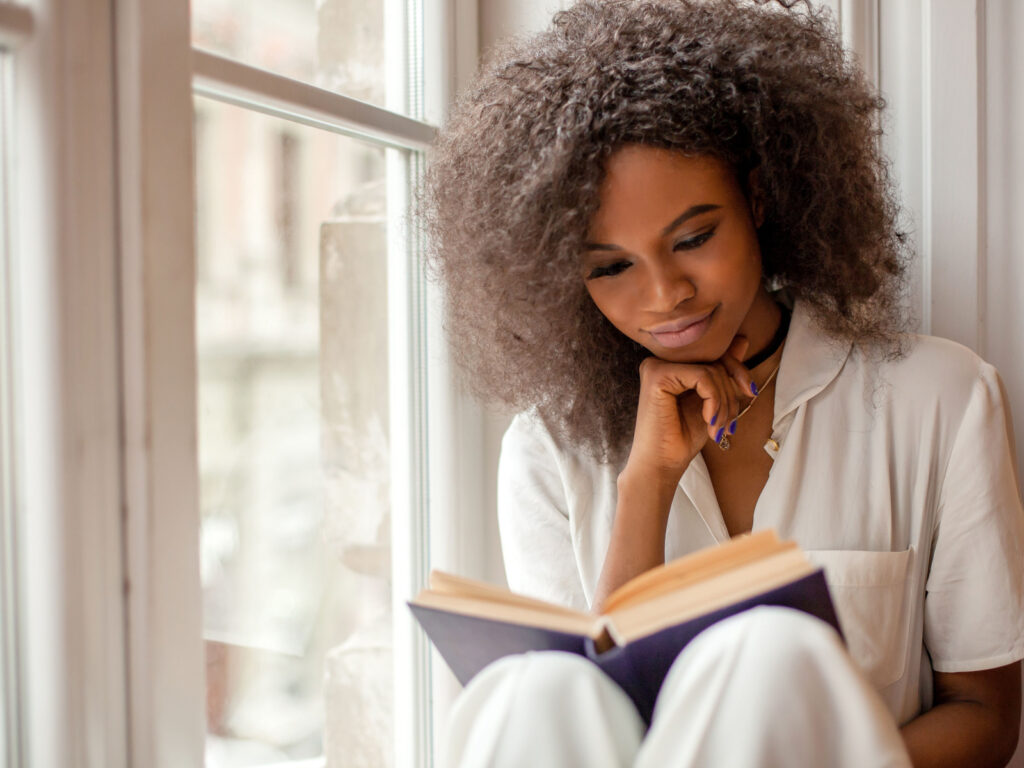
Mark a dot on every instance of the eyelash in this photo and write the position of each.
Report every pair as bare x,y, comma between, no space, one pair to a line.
683,245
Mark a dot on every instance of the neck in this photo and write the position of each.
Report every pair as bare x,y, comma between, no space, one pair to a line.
760,326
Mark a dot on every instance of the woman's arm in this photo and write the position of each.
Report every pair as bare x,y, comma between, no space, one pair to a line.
975,720
680,408
638,533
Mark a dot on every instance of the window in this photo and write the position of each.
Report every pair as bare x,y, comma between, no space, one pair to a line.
311,397
338,45
292,336
160,344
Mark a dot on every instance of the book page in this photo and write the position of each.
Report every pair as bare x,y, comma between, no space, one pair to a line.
450,584
574,622
695,567
724,589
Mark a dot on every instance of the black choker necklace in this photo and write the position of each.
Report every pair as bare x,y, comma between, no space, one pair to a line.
773,346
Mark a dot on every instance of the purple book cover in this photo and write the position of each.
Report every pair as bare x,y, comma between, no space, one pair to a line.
469,643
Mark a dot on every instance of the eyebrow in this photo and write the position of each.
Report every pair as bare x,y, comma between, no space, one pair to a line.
689,213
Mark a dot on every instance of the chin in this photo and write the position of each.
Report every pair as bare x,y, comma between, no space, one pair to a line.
696,354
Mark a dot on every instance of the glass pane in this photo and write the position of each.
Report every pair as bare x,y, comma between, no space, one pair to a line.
340,45
293,439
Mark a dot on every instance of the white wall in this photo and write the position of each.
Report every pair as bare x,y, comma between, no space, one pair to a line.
1003,206
954,82
1004,202
499,19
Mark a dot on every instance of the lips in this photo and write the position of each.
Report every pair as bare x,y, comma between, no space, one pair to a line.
681,332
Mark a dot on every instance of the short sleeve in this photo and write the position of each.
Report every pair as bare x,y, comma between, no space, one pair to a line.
533,517
974,597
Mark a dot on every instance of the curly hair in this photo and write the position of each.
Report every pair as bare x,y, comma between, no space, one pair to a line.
514,175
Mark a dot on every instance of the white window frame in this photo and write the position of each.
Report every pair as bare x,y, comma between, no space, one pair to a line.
159,365
112,657
73,705
16,25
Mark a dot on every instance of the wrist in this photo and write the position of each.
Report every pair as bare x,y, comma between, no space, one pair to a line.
645,494
660,482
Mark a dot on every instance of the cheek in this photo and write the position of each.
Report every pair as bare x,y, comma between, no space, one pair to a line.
614,306
738,266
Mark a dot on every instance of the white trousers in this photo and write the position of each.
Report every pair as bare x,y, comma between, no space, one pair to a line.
767,688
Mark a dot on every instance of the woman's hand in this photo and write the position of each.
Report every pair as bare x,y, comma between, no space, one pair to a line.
683,405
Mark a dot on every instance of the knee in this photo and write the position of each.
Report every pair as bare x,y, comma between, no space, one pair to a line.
542,708
774,638
787,626
544,678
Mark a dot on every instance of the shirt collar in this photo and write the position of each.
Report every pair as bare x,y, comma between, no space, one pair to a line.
811,359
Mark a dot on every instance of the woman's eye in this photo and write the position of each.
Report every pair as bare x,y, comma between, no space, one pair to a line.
694,242
608,270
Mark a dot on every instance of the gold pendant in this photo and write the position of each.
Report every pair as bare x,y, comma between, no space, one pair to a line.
724,443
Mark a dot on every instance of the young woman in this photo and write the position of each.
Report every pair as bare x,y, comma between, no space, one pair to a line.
669,240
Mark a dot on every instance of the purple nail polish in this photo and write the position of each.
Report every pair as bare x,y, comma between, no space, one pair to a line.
732,427
714,419
718,437
753,388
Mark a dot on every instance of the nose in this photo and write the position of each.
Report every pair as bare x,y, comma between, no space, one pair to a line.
669,285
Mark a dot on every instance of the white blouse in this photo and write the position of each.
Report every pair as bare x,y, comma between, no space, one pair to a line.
896,476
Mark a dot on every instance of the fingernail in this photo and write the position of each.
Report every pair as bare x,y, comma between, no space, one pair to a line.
732,427
714,419
753,388
718,437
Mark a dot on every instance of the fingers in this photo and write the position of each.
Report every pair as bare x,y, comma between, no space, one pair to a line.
725,387
740,377
723,422
721,392
738,349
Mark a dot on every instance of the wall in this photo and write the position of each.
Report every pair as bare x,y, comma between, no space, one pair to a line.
1003,205
499,19
1004,201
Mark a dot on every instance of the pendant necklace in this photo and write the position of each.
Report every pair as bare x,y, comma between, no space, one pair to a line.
754,361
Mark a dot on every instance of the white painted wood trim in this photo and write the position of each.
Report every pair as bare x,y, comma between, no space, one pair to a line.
953,227
858,21
166,662
71,567
12,726
458,506
16,24
256,89
450,53
410,543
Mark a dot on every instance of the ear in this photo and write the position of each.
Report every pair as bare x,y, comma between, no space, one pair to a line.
755,195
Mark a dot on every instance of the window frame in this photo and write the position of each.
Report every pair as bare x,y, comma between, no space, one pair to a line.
157,73
69,579
16,25
112,655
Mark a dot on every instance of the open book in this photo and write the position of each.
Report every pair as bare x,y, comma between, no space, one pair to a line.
642,626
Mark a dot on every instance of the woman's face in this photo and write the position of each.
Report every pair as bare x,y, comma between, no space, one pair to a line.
672,257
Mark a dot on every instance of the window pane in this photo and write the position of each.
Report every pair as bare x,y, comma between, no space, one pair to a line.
340,45
293,438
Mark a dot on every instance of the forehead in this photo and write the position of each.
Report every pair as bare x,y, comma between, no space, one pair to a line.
650,185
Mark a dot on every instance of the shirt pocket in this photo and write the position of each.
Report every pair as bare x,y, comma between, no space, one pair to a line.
869,590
